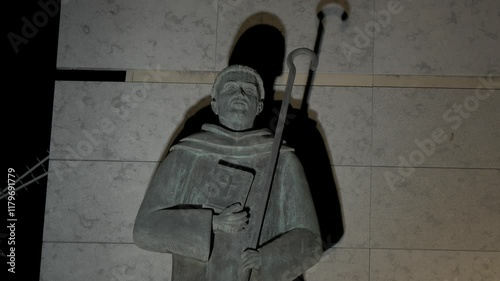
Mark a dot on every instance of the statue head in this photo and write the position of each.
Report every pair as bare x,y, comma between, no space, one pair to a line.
237,97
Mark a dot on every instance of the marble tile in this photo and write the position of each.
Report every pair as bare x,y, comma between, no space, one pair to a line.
341,265
436,127
353,184
403,265
173,35
298,22
450,37
344,116
120,121
456,209
102,262
96,201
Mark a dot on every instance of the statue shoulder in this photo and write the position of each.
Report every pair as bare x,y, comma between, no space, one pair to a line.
201,141
216,140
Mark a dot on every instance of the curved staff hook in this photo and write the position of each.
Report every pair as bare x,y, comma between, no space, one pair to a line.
289,85
262,204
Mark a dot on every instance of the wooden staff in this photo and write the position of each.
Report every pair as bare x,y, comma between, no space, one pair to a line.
262,205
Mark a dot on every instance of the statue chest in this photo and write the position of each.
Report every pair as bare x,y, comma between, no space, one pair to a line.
223,182
220,181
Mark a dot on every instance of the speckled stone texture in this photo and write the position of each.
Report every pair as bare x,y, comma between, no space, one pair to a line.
412,210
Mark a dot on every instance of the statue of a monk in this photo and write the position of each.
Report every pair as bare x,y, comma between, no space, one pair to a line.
201,203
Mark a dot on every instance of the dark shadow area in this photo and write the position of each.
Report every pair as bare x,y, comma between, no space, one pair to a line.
90,75
30,47
260,44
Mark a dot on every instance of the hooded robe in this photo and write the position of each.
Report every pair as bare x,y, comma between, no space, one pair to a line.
209,171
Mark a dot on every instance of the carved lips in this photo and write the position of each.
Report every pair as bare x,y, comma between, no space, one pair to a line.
239,102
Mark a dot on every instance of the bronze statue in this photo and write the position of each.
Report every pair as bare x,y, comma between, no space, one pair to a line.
205,202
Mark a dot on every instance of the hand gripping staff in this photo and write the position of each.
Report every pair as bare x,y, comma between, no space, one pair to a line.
277,143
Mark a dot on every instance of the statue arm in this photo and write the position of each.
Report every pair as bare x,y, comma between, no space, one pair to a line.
299,247
185,232
289,255
164,224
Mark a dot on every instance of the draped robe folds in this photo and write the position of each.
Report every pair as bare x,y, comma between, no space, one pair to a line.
174,217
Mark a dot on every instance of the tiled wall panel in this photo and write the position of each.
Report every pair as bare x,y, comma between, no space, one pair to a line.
438,221
450,37
456,209
102,262
436,128
127,34
96,202
401,265
121,121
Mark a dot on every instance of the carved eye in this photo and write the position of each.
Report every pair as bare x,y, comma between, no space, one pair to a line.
230,86
250,90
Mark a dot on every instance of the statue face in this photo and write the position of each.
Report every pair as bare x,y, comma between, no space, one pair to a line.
237,103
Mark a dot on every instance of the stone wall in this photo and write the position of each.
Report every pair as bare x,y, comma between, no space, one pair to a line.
413,133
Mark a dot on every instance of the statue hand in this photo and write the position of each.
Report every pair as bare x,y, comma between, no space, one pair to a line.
251,259
232,219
